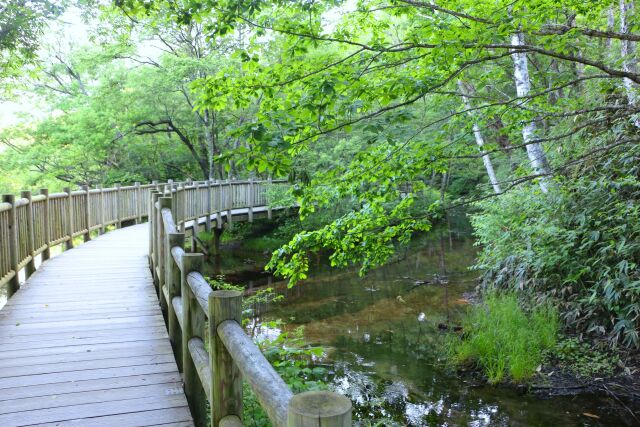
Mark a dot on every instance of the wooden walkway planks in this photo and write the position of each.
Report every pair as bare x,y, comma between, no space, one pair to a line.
84,343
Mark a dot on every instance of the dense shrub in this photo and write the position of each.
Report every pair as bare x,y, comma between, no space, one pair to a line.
579,245
503,339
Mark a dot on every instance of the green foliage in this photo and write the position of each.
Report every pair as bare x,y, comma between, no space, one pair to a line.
503,339
287,352
294,361
578,246
582,359
21,26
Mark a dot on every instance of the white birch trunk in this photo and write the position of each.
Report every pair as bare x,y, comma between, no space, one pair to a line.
628,52
480,140
535,152
611,25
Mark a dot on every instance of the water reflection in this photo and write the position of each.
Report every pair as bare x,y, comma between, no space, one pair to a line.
383,334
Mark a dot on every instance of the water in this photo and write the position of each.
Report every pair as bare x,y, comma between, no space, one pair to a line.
384,334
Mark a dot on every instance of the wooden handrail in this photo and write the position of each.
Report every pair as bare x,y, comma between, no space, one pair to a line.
196,314
31,224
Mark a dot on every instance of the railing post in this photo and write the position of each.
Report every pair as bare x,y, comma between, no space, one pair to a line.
30,268
226,384
192,325
153,232
180,208
138,202
218,204
87,214
172,275
251,199
319,408
229,203
163,202
118,210
269,212
101,205
14,283
46,226
207,221
69,218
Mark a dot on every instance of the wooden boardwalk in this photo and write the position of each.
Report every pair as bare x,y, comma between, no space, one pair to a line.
84,343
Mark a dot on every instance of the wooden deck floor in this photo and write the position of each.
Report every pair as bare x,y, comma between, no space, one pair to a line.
84,343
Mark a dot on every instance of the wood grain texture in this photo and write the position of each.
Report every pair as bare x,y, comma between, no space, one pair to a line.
83,342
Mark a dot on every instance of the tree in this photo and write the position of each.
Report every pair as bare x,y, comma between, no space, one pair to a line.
21,25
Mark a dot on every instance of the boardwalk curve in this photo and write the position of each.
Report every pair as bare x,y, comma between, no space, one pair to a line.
84,342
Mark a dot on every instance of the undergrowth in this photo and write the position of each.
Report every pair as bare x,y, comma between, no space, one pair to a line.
503,339
287,352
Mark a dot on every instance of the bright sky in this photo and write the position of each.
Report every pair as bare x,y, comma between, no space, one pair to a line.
69,29
66,29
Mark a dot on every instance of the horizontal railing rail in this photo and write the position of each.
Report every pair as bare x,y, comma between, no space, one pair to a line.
31,224
212,349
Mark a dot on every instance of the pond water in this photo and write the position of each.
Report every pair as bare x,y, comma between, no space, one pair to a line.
384,333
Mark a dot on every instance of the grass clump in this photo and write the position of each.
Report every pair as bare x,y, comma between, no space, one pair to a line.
503,339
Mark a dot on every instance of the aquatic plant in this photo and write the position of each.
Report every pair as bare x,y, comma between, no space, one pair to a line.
503,339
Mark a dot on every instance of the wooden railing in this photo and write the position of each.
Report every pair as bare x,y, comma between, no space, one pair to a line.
30,225
205,326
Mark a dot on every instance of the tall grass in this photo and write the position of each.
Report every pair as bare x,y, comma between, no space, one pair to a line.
502,339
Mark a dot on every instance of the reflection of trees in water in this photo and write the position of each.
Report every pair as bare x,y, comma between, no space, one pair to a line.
392,401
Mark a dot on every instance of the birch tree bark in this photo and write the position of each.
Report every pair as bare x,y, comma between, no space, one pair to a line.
628,53
535,152
465,90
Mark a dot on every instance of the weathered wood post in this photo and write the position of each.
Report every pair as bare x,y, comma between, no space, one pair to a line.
269,212
87,214
153,241
229,203
251,199
226,384
46,254
163,202
180,208
192,326
14,283
319,408
69,219
30,268
207,221
101,206
172,274
194,240
217,234
138,191
118,207
218,204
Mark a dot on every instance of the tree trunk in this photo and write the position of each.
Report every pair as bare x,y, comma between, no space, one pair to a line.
611,24
628,52
503,141
467,89
535,152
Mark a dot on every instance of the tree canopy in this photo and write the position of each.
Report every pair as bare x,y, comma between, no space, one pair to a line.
523,113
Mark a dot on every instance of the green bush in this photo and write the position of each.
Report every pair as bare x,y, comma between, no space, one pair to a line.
578,245
502,339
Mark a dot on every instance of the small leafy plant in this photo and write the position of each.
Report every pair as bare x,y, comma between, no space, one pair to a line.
582,359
